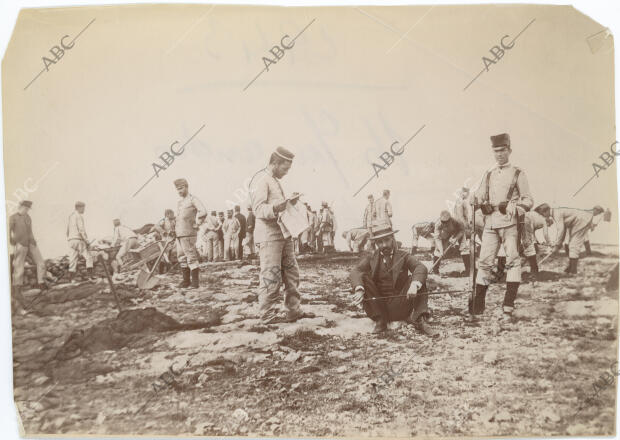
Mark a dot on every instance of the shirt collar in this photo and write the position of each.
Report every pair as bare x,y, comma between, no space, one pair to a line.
506,165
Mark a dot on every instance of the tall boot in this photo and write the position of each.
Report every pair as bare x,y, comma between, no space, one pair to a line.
588,248
195,273
533,264
185,283
478,305
568,267
510,296
466,262
435,265
572,265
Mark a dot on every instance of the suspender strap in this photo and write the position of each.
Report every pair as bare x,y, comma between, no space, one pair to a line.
513,185
488,180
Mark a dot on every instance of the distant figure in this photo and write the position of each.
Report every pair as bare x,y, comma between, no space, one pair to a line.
356,238
326,227
124,237
212,227
78,242
220,237
383,207
574,221
21,236
386,273
370,213
250,224
231,228
425,230
449,232
242,231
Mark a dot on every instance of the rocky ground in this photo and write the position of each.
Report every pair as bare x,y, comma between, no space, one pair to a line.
200,363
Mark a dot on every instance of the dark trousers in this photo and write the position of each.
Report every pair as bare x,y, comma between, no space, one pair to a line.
393,309
240,248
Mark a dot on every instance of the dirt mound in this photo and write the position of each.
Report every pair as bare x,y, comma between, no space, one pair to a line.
113,334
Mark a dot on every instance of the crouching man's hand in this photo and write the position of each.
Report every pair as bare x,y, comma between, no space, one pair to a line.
413,289
358,296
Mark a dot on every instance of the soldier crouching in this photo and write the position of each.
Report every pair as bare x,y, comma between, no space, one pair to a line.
385,274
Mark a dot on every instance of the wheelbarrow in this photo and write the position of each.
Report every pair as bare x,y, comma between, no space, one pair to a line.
145,279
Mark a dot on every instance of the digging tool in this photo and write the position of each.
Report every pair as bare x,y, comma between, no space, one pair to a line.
441,256
145,279
107,275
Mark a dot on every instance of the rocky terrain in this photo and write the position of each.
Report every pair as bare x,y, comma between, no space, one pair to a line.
198,362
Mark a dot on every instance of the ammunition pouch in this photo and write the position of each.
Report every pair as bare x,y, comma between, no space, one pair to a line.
502,207
486,208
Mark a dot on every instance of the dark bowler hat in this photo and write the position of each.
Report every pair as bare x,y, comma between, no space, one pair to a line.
381,229
500,141
180,182
284,153
26,203
542,208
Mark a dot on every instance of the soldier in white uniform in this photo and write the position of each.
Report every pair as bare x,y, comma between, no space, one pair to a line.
190,214
503,196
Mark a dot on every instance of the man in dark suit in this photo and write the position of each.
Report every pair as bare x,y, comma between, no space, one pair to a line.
241,218
386,273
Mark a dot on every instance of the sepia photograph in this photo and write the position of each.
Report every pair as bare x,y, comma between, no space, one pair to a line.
328,222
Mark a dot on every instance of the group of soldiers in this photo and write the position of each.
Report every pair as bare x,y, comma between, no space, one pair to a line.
388,282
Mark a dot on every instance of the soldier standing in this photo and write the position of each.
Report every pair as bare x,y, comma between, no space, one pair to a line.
242,231
190,214
370,213
383,207
503,195
250,223
78,241
20,230
278,264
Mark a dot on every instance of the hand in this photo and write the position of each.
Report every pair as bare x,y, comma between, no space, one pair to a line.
279,207
358,296
413,289
294,198
453,241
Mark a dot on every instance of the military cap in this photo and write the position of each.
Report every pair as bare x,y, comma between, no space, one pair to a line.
116,222
324,204
370,196
79,204
444,216
180,182
26,203
500,141
542,208
220,212
381,229
213,213
237,208
284,153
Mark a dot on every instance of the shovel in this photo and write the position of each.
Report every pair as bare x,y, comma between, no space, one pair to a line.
145,279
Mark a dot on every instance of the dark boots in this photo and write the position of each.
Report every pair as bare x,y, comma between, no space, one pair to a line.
476,307
572,266
186,282
533,264
195,278
588,248
435,265
466,262
380,326
510,296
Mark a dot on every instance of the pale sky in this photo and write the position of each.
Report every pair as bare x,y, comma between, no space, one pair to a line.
142,77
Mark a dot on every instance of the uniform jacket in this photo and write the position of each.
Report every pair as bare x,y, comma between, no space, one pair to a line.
20,227
242,224
265,193
75,227
571,219
383,208
189,208
370,214
327,221
121,234
403,264
534,221
231,227
452,228
499,183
